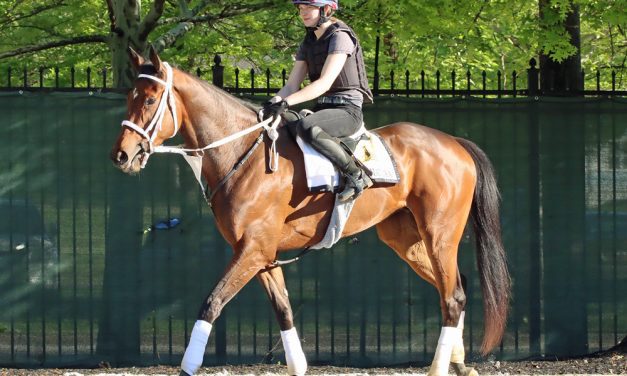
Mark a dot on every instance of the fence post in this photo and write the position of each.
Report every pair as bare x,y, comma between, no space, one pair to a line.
375,87
236,80
532,79
218,72
583,81
437,83
252,81
468,82
613,81
268,81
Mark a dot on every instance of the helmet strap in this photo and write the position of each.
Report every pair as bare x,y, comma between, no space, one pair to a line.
323,17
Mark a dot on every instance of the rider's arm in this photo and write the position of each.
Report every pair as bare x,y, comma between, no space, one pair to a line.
297,76
331,69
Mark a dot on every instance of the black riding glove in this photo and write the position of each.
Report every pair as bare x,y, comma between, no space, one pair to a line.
272,110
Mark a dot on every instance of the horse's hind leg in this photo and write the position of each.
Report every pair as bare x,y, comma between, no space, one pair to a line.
400,232
441,218
273,282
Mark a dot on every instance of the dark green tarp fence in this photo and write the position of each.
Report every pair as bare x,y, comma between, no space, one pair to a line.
82,281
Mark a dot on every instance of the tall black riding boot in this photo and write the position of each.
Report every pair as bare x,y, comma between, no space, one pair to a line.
355,179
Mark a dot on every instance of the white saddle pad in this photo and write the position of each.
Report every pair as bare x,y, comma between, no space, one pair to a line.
322,176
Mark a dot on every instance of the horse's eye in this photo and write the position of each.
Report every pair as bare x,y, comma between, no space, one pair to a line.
150,101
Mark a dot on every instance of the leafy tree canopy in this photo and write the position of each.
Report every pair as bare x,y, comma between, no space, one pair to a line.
415,35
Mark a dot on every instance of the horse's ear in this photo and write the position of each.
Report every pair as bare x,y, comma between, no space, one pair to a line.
136,59
154,58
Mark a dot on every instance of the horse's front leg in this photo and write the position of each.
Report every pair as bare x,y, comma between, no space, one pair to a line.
273,282
247,261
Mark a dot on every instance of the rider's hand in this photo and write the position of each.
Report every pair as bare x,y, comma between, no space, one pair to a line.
274,109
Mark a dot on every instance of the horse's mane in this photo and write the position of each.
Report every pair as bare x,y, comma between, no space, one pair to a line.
148,68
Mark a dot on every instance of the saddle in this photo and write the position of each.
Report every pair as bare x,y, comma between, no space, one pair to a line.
368,150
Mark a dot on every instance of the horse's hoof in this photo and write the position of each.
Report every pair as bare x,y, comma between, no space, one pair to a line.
183,373
462,370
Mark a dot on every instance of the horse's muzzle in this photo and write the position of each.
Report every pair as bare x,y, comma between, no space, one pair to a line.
119,157
127,161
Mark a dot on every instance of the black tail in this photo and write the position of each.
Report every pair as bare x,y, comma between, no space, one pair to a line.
491,259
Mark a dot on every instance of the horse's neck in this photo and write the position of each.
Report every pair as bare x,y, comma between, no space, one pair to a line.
214,115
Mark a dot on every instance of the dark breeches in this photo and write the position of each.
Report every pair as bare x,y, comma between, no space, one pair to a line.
334,120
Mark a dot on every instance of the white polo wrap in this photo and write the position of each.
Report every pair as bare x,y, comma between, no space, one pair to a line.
294,356
192,360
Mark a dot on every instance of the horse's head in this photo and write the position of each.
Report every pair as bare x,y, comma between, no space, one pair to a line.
153,113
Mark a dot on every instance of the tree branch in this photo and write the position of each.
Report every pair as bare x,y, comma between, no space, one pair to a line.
184,8
149,22
185,24
474,21
33,12
112,15
58,43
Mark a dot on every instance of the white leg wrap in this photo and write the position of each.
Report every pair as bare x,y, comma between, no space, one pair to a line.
458,354
294,355
192,360
449,336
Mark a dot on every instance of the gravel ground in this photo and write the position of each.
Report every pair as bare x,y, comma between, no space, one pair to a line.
610,363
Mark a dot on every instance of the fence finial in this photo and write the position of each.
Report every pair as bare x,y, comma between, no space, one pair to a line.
532,79
218,72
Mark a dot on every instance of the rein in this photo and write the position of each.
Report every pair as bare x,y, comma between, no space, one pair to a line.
155,125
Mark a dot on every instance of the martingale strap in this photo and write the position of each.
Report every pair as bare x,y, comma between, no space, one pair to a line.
226,177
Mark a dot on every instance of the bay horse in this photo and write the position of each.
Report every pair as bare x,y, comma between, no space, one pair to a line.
260,213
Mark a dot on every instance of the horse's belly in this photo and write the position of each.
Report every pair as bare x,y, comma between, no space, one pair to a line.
307,225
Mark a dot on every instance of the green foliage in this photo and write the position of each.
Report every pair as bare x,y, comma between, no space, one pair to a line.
415,35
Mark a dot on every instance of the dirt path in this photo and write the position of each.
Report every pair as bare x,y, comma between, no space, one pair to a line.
607,364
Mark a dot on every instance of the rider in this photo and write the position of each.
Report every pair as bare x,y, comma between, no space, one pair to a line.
331,55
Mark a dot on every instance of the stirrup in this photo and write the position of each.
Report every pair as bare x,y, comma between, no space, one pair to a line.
354,186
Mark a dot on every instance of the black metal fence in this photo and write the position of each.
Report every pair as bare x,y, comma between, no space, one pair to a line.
405,83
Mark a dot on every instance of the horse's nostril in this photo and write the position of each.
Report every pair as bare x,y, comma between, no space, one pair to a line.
121,157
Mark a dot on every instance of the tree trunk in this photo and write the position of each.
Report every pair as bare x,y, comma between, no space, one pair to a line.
124,33
123,75
119,333
562,199
562,78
